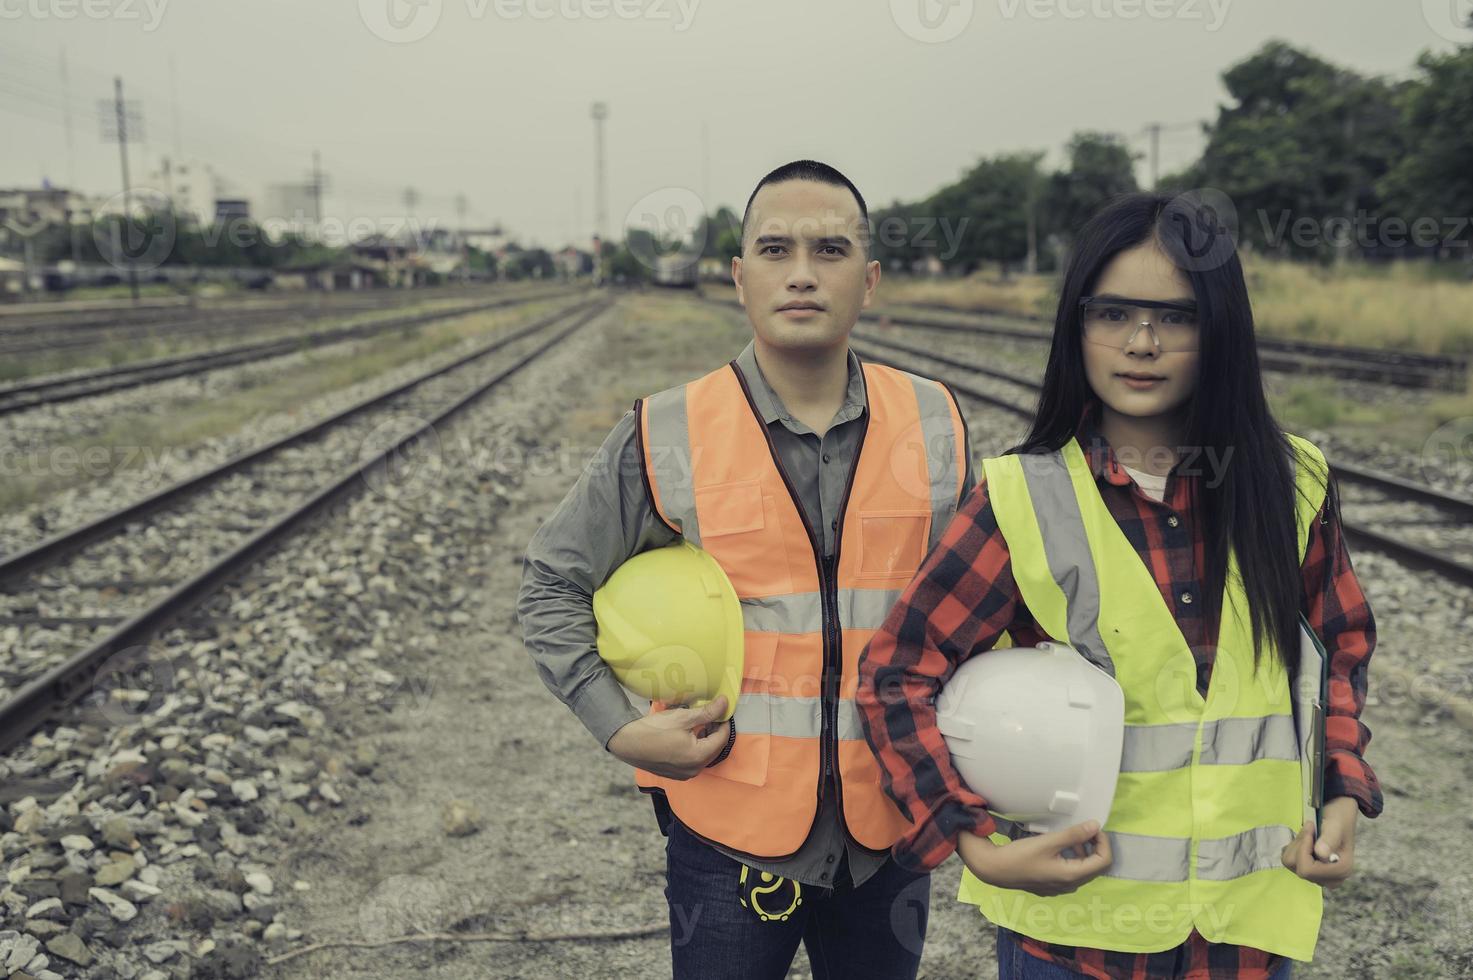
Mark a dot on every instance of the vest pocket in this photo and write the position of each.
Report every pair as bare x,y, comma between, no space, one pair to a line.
742,529
730,508
893,543
747,762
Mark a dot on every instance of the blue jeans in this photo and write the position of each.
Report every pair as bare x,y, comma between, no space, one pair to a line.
875,930
1014,963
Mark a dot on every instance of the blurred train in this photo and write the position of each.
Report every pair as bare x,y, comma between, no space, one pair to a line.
678,270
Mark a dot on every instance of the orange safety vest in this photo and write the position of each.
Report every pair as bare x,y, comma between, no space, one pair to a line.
714,477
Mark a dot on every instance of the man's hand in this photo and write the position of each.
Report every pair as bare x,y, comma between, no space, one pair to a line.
675,743
1329,860
1035,864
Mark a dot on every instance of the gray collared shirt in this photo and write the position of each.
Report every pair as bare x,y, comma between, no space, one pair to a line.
606,518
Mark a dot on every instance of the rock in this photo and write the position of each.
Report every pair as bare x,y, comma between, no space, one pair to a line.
244,790
275,934
30,822
77,842
117,906
160,952
74,885
25,948
233,960
69,946
118,832
47,908
139,891
460,819
115,873
260,881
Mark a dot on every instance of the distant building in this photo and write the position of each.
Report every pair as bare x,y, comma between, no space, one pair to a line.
25,211
572,262
492,241
229,208
191,185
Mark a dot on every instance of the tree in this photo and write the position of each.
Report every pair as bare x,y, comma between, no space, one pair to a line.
1302,139
1434,176
1101,167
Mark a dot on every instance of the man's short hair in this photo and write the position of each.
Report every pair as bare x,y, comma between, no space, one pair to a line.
820,173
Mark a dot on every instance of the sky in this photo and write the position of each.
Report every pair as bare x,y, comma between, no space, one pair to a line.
491,99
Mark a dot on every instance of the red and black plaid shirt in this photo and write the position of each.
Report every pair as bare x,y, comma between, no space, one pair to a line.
964,597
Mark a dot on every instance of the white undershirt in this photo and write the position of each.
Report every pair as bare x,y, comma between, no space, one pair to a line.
1152,486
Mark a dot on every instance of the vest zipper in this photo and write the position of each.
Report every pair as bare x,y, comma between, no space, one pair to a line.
833,652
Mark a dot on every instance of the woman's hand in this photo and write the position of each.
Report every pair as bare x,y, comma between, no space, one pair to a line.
1329,860
1034,864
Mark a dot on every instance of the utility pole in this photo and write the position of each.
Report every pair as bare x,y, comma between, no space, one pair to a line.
119,119
71,158
319,182
600,113
1155,130
462,205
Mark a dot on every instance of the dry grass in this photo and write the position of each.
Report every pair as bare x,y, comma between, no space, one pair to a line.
1403,306
1033,295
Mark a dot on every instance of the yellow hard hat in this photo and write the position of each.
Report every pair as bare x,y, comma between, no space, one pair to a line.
670,627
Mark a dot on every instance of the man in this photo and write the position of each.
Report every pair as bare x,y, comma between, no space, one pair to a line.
818,484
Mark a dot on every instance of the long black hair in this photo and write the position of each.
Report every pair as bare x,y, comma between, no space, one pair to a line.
1246,496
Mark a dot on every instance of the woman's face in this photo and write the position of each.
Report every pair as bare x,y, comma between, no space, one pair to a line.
1141,380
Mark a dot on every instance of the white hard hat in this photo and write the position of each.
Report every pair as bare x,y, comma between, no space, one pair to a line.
1037,733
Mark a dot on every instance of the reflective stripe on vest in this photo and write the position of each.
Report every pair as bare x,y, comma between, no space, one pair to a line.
712,475
1209,788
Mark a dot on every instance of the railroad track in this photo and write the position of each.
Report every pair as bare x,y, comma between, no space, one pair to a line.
70,386
73,601
37,334
1417,524
1396,368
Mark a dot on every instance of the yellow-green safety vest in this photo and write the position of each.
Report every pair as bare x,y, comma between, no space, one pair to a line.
1209,789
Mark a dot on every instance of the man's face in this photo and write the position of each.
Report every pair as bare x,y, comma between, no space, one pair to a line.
803,276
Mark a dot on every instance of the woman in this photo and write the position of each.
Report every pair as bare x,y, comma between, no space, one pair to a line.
1210,531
